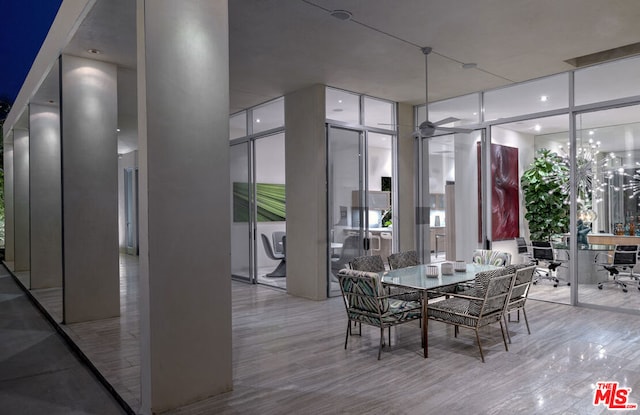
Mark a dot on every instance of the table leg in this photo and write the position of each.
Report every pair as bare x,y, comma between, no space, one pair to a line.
424,322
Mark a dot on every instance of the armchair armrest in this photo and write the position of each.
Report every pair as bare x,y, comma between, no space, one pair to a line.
457,295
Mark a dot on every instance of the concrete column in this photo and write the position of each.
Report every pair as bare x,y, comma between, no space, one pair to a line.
21,200
8,203
46,213
406,179
89,190
184,195
306,151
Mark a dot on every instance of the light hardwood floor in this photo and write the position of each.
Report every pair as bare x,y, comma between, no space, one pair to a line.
289,357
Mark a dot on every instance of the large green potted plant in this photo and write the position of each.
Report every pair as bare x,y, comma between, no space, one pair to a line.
546,201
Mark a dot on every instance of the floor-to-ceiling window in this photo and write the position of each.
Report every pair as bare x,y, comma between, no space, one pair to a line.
258,228
539,149
608,155
360,143
450,182
580,150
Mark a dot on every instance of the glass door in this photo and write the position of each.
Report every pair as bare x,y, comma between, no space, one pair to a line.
449,226
359,197
270,210
242,213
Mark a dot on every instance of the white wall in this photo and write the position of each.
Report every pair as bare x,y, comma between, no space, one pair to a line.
380,165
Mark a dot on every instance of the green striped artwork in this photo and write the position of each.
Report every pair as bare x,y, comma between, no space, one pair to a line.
270,201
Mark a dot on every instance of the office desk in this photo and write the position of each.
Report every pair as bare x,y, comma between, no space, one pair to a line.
415,277
588,271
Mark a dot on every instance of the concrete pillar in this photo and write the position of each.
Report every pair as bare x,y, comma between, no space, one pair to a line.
8,203
184,195
46,214
406,179
306,193
21,201
89,190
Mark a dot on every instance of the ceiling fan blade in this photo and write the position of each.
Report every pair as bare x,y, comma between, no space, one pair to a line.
455,130
447,120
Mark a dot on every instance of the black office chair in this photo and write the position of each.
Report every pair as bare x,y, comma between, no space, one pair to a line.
546,262
523,249
624,258
281,269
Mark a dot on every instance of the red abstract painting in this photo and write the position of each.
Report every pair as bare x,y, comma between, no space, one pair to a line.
505,201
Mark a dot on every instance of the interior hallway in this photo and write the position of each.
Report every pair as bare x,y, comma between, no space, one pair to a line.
289,357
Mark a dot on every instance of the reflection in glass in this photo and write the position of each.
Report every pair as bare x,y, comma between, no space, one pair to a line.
342,106
238,125
268,116
539,95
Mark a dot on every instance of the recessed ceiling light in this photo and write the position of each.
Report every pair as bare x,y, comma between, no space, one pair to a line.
117,129
94,51
475,113
341,14
257,119
544,98
591,132
470,65
537,127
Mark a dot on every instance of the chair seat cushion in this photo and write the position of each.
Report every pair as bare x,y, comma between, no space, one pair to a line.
459,311
442,310
402,310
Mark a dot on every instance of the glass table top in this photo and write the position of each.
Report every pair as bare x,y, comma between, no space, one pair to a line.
416,276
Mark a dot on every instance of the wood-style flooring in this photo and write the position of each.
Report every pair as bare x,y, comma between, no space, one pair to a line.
289,357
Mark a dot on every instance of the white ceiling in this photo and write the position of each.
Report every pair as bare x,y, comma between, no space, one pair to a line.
279,46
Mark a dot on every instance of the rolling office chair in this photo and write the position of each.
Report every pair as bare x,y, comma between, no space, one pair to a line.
624,257
546,262
281,269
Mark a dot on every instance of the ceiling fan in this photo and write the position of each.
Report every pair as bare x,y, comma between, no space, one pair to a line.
428,129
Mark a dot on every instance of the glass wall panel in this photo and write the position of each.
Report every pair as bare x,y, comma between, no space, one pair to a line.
379,182
539,95
268,116
452,189
608,81
238,125
345,201
537,150
379,113
342,106
610,144
465,108
241,211
270,199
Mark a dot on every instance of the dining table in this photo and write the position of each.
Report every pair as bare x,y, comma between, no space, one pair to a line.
415,277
